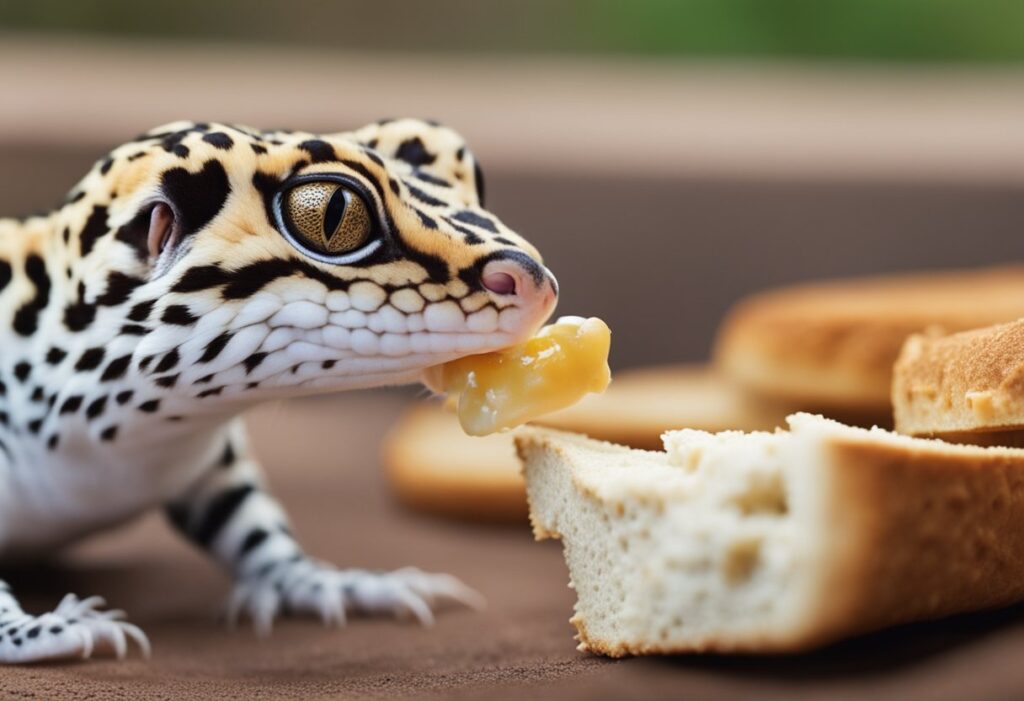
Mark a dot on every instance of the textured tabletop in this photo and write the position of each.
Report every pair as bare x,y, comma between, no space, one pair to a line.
321,456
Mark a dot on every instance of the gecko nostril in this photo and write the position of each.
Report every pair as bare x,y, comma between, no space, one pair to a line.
499,283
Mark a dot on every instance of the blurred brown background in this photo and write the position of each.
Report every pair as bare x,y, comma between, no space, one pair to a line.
661,180
667,157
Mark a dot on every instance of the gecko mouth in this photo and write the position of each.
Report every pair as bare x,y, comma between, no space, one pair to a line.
334,341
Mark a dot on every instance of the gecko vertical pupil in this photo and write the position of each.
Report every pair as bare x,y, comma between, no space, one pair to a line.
328,217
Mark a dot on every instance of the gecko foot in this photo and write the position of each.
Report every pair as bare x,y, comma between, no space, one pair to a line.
77,628
307,587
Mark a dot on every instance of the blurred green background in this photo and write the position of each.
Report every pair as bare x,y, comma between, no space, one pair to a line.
977,31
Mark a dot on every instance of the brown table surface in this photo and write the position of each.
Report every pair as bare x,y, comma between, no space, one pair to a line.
321,456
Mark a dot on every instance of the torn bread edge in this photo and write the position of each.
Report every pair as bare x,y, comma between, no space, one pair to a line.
774,542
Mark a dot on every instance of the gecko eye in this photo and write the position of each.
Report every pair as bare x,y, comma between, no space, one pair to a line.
327,218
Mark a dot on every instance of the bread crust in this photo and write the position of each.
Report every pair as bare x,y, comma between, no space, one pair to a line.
832,345
961,383
920,534
909,532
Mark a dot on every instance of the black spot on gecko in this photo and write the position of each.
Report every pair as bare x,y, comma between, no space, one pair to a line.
253,540
71,404
149,406
428,178
95,227
178,315
471,237
425,219
267,185
140,312
478,177
119,288
90,359
116,369
214,347
219,140
319,151
253,361
124,397
136,234
168,362
26,320
424,197
201,277
108,434
468,217
22,370
413,152
374,157
55,355
167,381
78,315
96,407
197,197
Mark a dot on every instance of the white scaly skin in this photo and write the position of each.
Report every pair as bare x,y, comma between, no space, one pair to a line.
126,364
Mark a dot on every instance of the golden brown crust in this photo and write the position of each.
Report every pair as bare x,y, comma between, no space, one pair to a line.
833,344
926,534
966,382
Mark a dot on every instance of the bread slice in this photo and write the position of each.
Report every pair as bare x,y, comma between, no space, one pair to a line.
771,542
965,383
832,345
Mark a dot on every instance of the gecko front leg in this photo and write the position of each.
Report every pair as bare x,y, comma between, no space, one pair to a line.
229,514
77,628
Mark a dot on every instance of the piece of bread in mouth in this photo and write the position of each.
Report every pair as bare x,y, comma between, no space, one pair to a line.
774,542
962,384
830,346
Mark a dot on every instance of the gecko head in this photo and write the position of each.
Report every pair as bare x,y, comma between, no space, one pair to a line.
242,262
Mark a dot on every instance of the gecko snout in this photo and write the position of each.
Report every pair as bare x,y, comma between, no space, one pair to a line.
519,277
